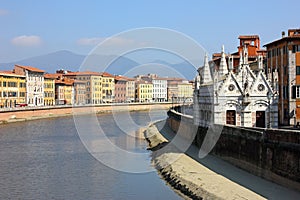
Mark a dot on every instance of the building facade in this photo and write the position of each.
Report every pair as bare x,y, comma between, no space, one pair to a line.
185,92
283,66
49,90
108,88
12,89
160,89
93,84
120,89
79,92
144,91
130,90
34,84
242,98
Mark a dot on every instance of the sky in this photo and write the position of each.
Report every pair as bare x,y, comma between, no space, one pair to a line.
32,27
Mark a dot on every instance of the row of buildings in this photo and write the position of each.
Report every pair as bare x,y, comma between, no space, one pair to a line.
252,87
30,86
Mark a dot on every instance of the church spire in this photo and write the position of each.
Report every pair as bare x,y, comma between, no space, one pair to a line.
206,71
223,70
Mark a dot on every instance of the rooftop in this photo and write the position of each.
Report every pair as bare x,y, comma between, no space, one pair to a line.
29,68
85,73
10,73
248,37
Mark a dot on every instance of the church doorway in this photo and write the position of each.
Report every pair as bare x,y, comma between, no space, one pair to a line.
230,117
261,119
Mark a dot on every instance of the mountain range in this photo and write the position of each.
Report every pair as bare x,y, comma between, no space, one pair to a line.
68,60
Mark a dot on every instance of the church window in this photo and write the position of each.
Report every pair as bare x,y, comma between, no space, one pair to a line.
261,87
231,87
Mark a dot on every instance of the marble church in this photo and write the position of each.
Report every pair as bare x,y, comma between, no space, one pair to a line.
239,96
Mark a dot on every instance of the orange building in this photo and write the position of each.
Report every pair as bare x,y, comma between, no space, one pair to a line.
283,62
251,42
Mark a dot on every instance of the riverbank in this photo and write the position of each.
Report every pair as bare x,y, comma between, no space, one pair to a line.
10,116
189,176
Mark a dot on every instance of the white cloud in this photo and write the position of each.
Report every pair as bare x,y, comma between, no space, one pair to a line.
24,40
113,41
3,12
118,41
89,41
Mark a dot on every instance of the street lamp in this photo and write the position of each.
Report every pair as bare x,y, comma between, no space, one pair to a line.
172,101
269,96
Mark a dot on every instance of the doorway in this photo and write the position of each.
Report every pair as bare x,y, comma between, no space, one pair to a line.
261,119
231,117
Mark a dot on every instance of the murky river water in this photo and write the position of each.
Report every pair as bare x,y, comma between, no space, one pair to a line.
45,159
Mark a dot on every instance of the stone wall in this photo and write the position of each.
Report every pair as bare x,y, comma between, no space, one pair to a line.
273,154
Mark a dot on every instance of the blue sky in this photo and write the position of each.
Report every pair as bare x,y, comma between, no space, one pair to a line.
32,27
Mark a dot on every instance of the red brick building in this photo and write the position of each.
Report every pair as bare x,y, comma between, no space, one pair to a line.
283,62
252,42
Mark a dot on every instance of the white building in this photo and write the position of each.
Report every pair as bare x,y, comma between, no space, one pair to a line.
160,86
160,89
34,84
243,98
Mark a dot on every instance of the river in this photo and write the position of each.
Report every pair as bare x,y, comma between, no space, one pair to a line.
45,159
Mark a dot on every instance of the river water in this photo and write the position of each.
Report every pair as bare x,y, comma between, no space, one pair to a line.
45,159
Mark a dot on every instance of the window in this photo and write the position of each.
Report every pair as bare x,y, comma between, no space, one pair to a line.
296,48
22,85
285,70
298,70
295,91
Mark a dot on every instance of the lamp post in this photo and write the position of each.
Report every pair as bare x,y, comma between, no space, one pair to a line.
172,101
269,96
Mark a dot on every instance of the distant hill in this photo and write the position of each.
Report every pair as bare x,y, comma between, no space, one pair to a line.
70,61
50,62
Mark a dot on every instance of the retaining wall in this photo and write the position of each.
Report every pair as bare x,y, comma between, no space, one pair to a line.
273,154
30,113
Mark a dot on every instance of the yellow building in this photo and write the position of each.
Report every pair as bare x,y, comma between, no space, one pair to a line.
144,91
108,87
12,89
185,91
93,85
69,92
49,90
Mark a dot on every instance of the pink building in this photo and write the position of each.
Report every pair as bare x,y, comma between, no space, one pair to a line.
120,89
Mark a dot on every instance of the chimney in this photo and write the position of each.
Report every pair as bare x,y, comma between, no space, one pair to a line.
282,34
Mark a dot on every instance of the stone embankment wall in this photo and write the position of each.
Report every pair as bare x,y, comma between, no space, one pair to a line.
273,154
47,112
